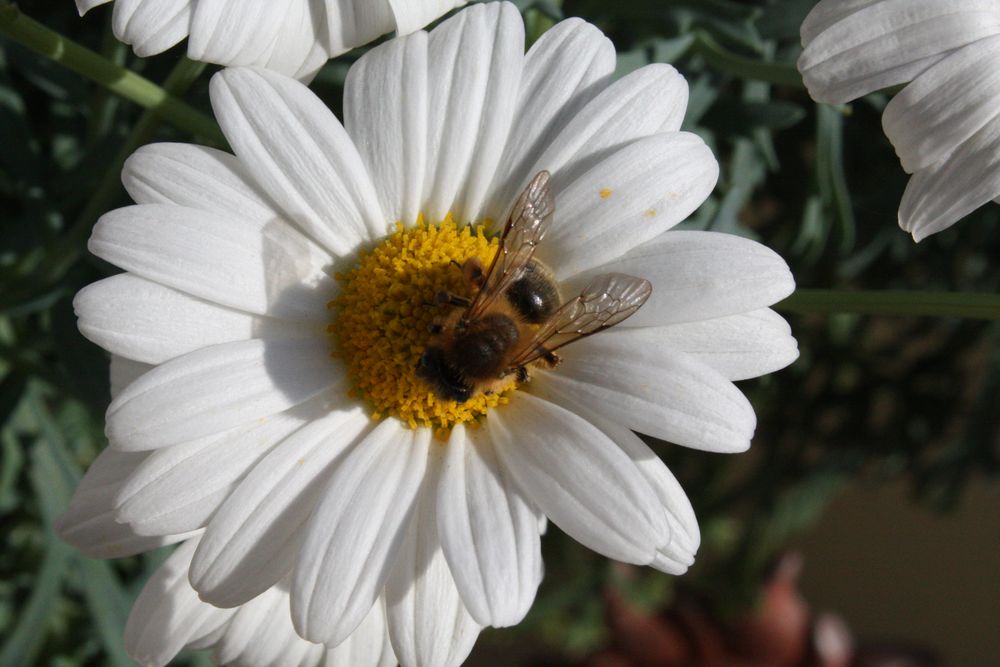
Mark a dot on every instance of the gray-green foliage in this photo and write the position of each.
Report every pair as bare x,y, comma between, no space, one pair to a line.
916,398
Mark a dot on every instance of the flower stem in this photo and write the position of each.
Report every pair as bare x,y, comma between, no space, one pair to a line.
894,302
35,36
748,68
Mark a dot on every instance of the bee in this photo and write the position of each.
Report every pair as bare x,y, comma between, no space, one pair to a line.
515,317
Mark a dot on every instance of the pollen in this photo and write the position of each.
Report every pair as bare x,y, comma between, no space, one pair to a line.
382,319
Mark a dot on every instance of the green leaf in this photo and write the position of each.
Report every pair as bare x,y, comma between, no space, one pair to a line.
773,115
25,643
781,19
52,490
109,607
11,388
830,175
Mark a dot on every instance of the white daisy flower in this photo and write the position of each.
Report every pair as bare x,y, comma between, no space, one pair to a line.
294,37
944,124
282,298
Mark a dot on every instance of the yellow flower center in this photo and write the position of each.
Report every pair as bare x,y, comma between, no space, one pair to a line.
384,313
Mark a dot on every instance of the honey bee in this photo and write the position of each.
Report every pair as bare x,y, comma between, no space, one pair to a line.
516,317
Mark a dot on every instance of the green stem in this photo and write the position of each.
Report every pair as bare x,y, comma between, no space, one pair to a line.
892,302
35,36
748,68
103,103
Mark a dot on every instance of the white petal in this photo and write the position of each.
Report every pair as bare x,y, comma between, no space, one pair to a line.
940,195
89,522
124,372
205,179
145,321
658,391
179,488
828,12
168,614
648,101
355,531
351,23
368,645
300,48
218,388
886,43
945,106
676,555
265,269
428,624
474,60
569,64
195,177
488,532
300,155
385,112
250,625
630,197
84,6
700,276
573,473
412,15
235,32
150,27
254,538
739,347
261,635
207,639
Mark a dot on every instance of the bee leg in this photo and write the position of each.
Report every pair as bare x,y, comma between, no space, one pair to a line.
522,374
447,298
455,262
473,272
551,359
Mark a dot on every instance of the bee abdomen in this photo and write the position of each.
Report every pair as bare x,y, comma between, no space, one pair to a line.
534,294
481,349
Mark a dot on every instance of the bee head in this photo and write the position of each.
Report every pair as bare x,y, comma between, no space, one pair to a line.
433,368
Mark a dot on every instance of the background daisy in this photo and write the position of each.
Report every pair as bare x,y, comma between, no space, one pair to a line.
944,124
294,37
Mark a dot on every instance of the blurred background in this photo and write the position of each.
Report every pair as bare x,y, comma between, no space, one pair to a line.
863,528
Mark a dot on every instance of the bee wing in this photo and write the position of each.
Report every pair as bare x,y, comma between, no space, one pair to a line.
607,300
525,227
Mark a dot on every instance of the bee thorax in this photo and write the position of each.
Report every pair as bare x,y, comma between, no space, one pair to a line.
480,349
